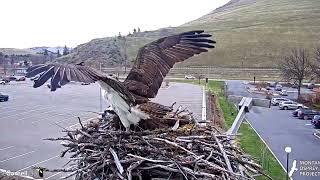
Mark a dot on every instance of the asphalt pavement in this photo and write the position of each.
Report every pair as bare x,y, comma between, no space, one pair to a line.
32,114
279,129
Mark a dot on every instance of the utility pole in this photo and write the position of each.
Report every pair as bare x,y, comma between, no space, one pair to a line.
125,54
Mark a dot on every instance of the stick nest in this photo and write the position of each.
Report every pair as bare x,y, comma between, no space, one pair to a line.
102,150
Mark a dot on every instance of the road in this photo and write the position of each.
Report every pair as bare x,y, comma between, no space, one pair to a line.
32,114
279,129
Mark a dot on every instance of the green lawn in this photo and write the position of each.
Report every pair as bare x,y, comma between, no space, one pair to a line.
249,141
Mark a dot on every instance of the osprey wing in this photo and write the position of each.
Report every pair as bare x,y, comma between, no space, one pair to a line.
61,74
154,60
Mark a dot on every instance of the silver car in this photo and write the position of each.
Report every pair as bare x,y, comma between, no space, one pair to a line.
290,105
276,101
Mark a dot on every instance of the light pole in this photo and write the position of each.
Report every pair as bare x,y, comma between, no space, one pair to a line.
288,151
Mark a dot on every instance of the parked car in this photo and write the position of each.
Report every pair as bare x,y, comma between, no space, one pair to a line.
189,77
316,121
290,105
272,84
276,101
310,86
5,80
4,97
284,93
278,87
307,114
295,113
85,83
11,78
21,79
2,82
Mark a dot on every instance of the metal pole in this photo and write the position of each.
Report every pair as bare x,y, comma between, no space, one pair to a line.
287,166
100,94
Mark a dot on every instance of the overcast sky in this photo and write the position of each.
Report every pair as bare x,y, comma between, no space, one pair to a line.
29,23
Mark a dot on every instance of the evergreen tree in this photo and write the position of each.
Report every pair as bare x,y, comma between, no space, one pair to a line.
138,29
134,31
58,53
45,52
65,50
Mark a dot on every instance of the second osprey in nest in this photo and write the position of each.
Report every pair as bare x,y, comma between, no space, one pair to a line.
130,99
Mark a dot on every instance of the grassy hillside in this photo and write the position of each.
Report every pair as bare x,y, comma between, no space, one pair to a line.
110,51
259,32
249,33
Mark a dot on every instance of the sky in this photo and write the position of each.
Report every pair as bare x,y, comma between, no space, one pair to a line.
31,23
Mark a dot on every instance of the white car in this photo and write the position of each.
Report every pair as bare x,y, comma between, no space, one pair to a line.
278,87
284,93
189,77
276,101
290,105
2,82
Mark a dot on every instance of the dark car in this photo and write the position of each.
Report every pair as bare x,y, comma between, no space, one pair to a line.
307,114
316,121
11,78
4,97
310,86
295,113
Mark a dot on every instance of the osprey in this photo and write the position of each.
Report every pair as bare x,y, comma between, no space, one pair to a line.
130,99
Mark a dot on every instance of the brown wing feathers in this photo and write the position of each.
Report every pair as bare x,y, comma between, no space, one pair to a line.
61,74
153,63
156,59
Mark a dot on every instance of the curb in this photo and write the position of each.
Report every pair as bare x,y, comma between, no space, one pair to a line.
4,174
316,135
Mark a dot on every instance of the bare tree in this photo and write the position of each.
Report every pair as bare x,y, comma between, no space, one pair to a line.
316,65
296,67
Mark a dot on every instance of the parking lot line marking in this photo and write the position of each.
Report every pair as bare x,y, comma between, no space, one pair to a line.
25,112
42,113
17,109
69,119
47,112
61,114
6,148
38,163
33,122
53,175
308,124
16,156
24,105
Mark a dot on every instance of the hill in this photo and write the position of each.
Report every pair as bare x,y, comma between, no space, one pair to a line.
11,51
249,33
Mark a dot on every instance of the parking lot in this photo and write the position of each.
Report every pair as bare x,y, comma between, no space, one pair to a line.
278,128
32,114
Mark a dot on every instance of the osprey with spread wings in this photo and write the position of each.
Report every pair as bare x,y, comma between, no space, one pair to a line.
130,99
